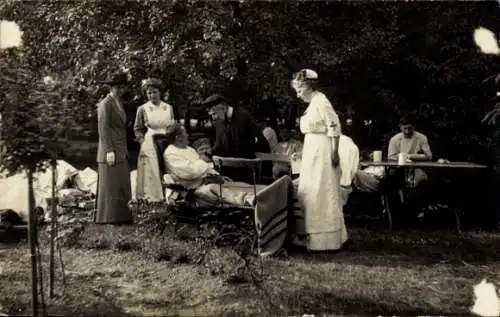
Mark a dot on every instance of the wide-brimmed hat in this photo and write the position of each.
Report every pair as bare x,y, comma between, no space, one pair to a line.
117,79
213,100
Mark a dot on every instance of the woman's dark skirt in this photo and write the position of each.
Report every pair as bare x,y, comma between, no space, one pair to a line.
113,194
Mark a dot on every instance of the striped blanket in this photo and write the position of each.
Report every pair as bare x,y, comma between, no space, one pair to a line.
298,226
271,215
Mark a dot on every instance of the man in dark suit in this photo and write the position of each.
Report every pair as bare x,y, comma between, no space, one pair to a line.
114,190
236,134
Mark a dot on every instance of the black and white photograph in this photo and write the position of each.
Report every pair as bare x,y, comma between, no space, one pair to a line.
249,158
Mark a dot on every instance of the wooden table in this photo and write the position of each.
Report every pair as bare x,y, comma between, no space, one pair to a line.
425,165
273,157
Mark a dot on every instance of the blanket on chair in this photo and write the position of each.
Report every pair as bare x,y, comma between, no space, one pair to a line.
233,193
271,215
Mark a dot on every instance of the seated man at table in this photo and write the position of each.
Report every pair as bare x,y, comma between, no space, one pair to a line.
415,146
187,168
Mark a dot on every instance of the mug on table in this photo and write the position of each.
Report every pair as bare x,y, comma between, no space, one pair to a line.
403,158
377,156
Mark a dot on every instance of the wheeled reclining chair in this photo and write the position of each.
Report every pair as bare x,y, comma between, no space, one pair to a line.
183,203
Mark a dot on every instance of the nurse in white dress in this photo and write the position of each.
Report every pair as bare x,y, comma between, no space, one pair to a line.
319,183
152,118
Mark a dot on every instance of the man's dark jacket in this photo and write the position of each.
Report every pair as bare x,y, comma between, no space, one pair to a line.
239,136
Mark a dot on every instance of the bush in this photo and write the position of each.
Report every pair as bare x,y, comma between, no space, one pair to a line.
222,249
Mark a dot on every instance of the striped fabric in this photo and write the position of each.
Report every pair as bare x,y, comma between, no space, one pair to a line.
297,212
271,216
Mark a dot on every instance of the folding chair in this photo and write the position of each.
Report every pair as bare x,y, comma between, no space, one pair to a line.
237,213
181,210
253,164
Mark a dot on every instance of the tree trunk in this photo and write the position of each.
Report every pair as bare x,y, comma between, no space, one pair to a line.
53,231
32,221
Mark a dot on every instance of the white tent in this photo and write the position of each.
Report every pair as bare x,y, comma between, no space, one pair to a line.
14,189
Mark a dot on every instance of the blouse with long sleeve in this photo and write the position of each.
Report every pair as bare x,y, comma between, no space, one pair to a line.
320,117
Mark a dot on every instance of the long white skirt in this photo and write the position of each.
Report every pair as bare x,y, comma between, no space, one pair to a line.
148,184
320,196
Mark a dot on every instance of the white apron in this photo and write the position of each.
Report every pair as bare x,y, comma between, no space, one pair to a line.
149,187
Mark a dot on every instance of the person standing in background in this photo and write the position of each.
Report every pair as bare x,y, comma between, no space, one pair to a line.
113,189
153,117
236,135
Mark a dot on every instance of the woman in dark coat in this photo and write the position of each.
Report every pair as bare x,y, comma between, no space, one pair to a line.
113,190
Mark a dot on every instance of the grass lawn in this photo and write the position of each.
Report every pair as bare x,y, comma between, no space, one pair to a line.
135,271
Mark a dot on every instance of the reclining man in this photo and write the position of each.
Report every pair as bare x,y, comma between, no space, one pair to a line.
187,168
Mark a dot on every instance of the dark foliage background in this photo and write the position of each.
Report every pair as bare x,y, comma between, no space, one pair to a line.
376,60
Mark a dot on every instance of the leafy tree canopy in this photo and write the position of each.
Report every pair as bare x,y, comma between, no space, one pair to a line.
376,60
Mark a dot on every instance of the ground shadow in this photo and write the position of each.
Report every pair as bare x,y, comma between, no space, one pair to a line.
407,248
310,299
102,308
319,302
80,297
